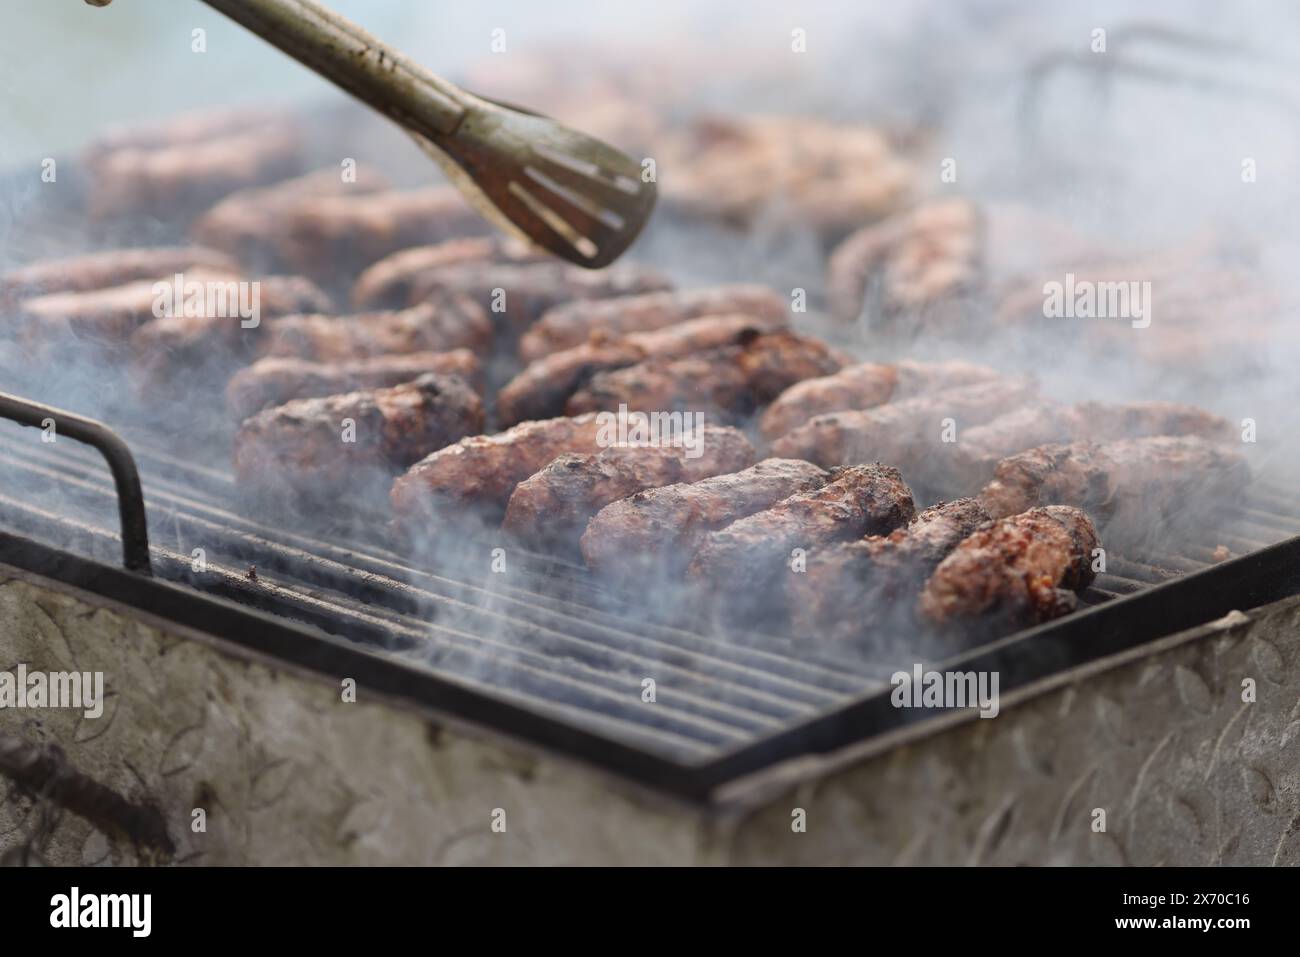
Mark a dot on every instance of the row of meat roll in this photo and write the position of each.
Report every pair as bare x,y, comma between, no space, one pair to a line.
1020,544
734,534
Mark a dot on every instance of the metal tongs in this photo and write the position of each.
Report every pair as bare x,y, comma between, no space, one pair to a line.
570,193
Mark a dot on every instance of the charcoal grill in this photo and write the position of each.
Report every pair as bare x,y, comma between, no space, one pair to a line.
545,659
547,656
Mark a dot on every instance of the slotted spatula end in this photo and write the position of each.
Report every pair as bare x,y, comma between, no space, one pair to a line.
570,193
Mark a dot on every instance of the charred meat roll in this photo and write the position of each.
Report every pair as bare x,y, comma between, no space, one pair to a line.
483,470
1019,570
103,270
1038,424
516,294
850,588
542,389
920,263
731,382
437,325
331,443
910,434
276,380
1138,488
866,385
551,509
1076,474
574,323
749,555
658,530
392,282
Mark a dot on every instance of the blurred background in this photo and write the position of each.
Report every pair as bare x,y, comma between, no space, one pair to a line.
1160,138
1006,87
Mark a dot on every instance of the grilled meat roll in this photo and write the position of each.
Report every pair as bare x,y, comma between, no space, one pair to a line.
731,382
542,389
103,270
1076,474
908,434
1019,570
982,447
1137,488
327,237
306,444
351,232
122,312
851,588
393,281
106,315
437,325
162,349
749,555
574,323
1104,421
278,379
658,530
921,261
516,294
866,385
166,180
246,223
483,470
551,509
829,177
194,126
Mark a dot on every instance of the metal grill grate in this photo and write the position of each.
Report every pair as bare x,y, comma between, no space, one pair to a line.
543,637
535,637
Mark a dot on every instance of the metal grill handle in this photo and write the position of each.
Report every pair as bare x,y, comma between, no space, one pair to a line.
130,497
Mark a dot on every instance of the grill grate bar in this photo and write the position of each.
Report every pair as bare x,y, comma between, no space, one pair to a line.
1203,555
1184,564
1268,522
1138,571
466,662
1241,545
1118,585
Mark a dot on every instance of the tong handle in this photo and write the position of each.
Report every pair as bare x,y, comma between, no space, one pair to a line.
354,60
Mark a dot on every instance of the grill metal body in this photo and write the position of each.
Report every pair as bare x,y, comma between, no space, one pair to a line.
1157,737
